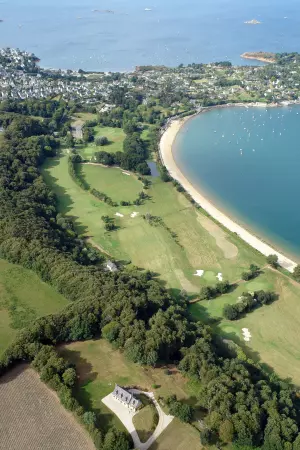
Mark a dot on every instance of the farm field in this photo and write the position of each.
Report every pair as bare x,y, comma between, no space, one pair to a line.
118,185
23,298
201,243
32,417
100,366
274,328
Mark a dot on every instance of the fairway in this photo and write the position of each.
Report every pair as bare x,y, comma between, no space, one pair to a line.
23,298
115,138
198,245
274,328
114,182
100,366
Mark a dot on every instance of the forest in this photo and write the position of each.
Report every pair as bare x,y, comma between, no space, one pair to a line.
243,403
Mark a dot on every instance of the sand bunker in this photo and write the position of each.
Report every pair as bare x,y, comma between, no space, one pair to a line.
126,173
134,214
199,273
247,335
220,276
119,215
230,250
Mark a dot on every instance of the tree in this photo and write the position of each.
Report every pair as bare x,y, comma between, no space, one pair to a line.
273,260
69,377
296,272
101,141
115,440
206,293
230,313
70,142
89,418
246,276
206,437
111,331
226,431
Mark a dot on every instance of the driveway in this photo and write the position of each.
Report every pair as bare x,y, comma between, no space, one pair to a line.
126,417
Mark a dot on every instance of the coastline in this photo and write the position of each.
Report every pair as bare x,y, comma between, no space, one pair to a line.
166,154
256,57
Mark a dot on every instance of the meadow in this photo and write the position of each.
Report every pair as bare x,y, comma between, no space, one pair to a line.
23,298
100,366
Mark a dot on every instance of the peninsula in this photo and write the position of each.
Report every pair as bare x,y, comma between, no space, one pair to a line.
267,57
166,153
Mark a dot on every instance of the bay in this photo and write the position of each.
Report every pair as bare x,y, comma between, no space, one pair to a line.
121,34
247,161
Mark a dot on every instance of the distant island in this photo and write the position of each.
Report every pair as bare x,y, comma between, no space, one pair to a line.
267,57
252,22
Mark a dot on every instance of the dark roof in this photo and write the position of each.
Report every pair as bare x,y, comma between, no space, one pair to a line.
126,397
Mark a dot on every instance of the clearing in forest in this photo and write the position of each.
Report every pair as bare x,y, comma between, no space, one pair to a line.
32,417
23,298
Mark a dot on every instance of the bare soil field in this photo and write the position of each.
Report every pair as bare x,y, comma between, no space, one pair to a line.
32,417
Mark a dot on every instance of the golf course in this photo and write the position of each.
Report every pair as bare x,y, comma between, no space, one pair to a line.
184,241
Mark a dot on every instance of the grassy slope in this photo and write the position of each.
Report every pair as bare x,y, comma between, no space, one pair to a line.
145,422
100,367
23,297
117,185
149,247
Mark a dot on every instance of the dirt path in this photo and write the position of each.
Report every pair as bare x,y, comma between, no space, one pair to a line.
101,249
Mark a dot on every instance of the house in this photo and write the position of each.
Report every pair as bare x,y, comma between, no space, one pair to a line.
111,266
126,398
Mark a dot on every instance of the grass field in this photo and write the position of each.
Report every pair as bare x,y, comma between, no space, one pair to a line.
203,244
23,298
32,417
178,436
145,421
100,366
113,182
274,328
115,137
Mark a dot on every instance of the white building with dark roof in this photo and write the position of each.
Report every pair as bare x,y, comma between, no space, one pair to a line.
126,398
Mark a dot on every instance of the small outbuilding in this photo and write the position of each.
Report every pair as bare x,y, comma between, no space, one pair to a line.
126,398
111,266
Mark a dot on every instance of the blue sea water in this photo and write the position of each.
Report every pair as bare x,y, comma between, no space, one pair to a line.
69,34
248,162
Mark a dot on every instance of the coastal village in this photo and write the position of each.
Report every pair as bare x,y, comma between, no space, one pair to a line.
193,86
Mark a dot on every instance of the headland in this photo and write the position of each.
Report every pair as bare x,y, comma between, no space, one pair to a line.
266,57
166,153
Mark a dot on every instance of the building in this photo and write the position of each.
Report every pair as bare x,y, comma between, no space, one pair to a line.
111,266
126,398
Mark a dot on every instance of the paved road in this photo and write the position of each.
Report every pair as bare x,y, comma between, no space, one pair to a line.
126,417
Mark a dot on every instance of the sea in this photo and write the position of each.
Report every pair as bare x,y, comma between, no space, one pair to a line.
253,171
117,35
247,162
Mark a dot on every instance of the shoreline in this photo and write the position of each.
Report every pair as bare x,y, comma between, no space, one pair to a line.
256,57
166,153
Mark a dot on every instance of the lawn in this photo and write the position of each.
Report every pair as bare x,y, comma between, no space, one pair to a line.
274,328
201,244
178,436
100,366
114,182
23,298
115,137
145,421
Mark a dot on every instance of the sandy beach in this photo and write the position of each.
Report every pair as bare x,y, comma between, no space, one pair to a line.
166,144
